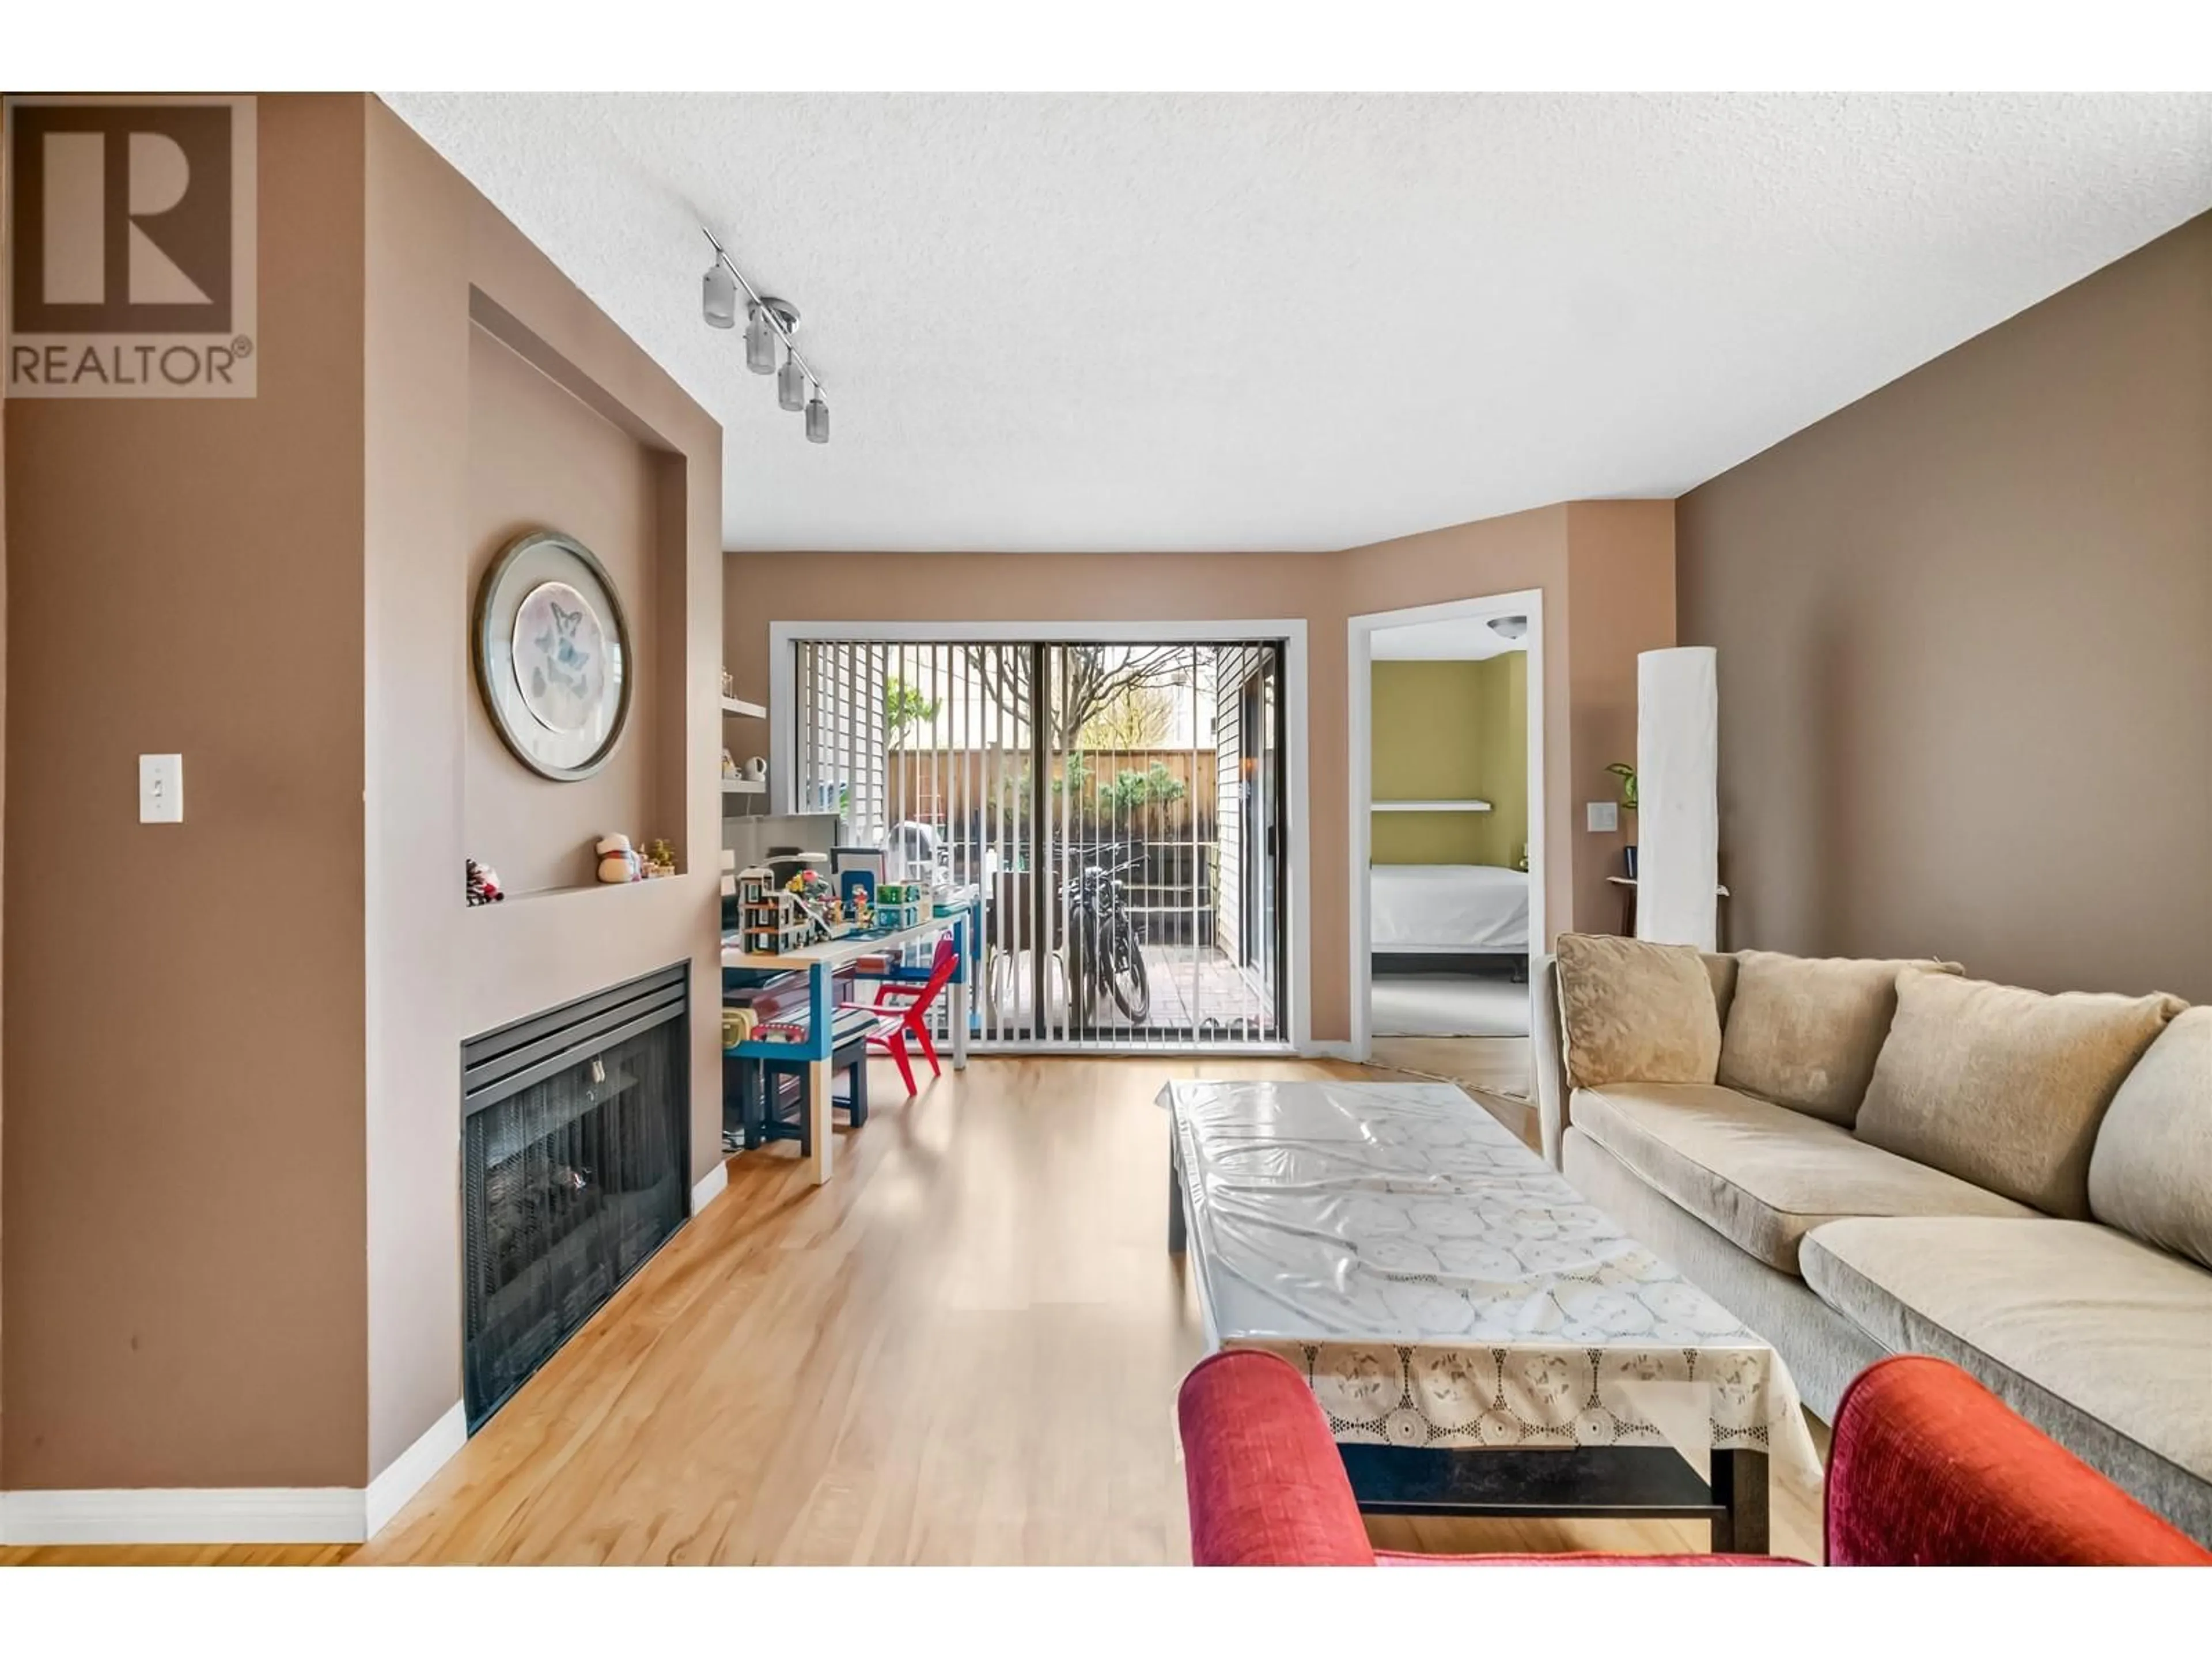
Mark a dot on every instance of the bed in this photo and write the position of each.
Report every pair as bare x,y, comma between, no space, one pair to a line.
1440,908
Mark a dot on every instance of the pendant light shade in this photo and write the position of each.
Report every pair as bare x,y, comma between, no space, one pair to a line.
720,297
791,384
818,419
759,342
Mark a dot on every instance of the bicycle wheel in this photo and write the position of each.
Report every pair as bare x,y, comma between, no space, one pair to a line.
1125,962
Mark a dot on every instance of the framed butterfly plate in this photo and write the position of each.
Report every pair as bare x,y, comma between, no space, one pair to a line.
552,655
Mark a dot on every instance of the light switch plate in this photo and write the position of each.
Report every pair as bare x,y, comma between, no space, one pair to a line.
160,788
1604,817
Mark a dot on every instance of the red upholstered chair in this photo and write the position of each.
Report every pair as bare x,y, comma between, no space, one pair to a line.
910,1004
1927,1468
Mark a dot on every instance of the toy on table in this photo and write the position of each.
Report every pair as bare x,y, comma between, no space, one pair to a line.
818,900
899,904
769,921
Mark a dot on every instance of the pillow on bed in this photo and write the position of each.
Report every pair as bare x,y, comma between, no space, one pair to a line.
1633,1012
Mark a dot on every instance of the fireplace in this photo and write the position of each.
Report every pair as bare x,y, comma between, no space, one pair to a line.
575,1132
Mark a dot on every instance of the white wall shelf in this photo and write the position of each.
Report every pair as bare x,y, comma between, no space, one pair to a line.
739,706
1432,806
743,786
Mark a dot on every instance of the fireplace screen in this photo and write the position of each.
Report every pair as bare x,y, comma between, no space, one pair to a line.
573,1157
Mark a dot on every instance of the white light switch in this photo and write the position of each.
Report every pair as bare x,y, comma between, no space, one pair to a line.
160,788
1604,817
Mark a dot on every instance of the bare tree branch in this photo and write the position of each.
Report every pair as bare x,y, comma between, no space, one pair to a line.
1089,678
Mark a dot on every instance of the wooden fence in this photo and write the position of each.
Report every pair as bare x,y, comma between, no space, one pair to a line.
964,789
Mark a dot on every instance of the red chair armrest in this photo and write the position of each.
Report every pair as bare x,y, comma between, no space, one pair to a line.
1265,1484
1929,1468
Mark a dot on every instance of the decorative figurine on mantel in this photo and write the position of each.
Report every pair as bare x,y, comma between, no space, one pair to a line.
483,883
659,860
618,861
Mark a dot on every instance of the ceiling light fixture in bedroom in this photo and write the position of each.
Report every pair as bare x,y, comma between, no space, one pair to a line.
1509,628
769,321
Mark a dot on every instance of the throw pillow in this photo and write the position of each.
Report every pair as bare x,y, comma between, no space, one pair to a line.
2151,1173
2005,1087
1636,1012
1803,1031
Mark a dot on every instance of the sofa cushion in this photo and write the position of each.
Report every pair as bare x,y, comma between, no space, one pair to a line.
2151,1173
1630,1009
2004,1087
1803,1031
2101,1341
1760,1174
1721,969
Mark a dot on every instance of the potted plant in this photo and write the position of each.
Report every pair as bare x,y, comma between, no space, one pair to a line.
1626,773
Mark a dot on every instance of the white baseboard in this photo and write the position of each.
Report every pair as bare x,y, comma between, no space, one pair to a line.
410,1471
710,1185
232,1515
243,1514
1332,1050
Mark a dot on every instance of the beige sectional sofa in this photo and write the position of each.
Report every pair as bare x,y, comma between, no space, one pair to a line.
1862,1158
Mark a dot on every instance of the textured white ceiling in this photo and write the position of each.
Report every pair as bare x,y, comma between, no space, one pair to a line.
1465,640
1242,322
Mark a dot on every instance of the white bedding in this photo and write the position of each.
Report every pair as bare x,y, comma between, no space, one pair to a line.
1447,906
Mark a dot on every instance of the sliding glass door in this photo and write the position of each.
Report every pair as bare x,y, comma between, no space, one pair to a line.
1119,805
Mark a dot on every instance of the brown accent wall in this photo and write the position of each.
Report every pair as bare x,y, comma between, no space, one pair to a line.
470,328
1494,556
231,1163
185,1281
1620,603
1964,629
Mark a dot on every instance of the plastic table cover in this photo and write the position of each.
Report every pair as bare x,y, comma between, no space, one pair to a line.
1439,1285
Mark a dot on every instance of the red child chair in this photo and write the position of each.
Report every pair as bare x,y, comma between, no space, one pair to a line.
889,1038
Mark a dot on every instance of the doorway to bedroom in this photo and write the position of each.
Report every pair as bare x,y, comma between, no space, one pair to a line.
1448,850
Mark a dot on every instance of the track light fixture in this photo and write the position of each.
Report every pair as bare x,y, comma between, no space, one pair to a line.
721,303
769,321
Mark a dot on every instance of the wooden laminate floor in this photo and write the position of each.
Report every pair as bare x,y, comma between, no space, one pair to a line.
964,1349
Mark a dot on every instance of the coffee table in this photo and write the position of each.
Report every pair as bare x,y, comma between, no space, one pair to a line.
1482,1340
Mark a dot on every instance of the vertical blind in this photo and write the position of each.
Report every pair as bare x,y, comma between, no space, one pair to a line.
1020,766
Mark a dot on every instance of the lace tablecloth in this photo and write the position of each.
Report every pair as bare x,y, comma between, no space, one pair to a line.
1439,1285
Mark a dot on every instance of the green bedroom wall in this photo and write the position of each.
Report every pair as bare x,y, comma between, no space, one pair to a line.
1445,731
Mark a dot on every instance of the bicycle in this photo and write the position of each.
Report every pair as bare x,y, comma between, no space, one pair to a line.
1106,945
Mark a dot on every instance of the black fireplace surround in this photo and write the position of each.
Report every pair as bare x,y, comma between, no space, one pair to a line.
573,1157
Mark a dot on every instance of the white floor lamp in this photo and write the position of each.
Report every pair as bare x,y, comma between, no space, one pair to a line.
1678,812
